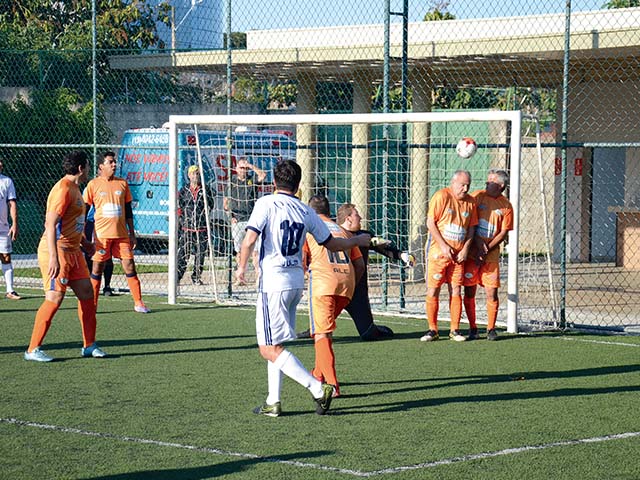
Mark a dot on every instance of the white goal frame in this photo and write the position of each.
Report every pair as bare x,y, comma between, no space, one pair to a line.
513,117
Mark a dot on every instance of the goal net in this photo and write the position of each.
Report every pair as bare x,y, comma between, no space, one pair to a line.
388,166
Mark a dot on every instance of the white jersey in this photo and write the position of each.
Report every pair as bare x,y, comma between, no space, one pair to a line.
282,221
7,192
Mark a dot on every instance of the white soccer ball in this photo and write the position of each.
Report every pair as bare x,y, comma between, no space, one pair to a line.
466,147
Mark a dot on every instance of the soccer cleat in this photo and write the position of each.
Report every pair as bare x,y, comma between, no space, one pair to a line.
107,292
268,410
142,308
196,281
492,334
431,336
92,351
408,259
324,402
37,356
473,334
13,295
304,334
457,336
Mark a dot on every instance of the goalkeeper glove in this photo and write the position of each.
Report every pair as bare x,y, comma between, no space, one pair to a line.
379,242
408,259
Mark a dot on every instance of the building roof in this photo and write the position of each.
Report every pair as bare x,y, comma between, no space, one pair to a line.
489,51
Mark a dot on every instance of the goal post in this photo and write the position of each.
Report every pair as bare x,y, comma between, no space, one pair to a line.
341,156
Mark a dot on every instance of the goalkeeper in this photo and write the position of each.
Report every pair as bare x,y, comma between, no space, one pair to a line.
360,308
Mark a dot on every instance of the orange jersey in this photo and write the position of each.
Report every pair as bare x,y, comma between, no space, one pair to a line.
332,273
66,201
453,218
109,198
494,216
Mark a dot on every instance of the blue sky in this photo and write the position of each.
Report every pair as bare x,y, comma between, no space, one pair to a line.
273,14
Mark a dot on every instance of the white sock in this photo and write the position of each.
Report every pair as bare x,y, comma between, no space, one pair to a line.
7,269
289,364
274,377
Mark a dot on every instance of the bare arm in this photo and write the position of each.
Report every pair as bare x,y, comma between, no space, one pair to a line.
260,174
50,223
446,250
464,252
248,243
335,243
13,212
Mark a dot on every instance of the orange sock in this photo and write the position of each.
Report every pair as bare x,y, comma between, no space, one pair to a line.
492,313
326,360
470,309
95,283
432,313
456,311
87,316
135,289
43,321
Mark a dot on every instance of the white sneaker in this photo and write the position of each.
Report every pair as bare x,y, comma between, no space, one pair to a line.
37,356
93,351
142,308
457,336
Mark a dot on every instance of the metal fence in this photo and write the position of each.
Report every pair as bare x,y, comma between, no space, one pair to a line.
80,77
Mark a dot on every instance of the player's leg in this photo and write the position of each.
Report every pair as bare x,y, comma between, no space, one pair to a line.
103,253
455,277
199,258
108,274
324,310
184,251
490,279
6,248
79,282
470,284
436,277
55,290
122,249
275,324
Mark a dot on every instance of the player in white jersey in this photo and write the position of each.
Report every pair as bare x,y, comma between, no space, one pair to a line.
8,232
282,221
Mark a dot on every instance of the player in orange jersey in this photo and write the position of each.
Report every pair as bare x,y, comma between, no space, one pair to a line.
62,262
451,221
332,279
114,232
495,220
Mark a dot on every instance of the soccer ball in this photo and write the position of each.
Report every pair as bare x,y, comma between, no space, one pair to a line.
466,147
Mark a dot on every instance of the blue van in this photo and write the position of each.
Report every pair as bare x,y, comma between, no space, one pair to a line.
143,160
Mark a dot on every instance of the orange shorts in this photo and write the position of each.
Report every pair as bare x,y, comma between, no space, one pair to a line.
441,271
73,266
324,311
486,275
112,247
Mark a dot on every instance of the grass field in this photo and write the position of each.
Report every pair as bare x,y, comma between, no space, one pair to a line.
174,401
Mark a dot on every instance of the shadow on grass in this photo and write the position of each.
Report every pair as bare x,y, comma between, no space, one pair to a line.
429,384
142,341
215,470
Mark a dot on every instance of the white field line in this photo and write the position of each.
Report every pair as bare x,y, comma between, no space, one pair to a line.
601,342
314,466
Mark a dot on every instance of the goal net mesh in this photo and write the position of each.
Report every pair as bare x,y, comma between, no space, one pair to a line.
388,166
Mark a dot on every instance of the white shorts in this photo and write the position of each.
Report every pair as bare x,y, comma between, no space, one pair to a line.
5,244
276,316
237,232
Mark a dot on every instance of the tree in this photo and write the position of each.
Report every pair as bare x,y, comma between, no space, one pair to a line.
438,11
621,4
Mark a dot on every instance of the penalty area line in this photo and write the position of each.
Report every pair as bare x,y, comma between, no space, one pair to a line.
507,451
314,466
215,451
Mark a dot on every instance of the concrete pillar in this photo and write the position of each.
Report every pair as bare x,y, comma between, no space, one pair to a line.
360,152
305,135
419,174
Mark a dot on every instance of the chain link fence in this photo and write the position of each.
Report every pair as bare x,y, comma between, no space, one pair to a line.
81,74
